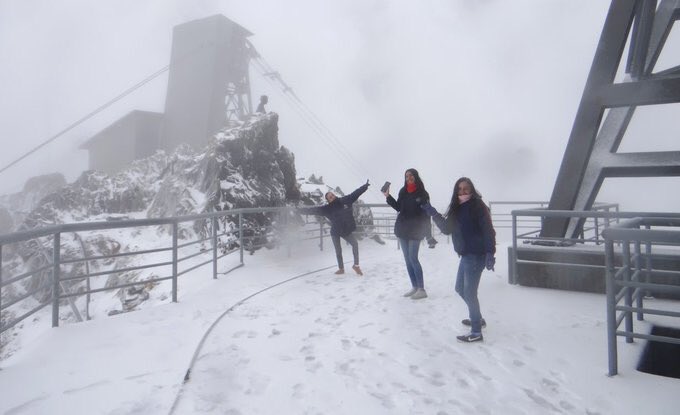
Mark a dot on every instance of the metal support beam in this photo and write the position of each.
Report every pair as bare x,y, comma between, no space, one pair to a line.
591,156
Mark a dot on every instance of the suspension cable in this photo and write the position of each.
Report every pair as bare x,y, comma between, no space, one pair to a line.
112,101
310,118
90,115
342,154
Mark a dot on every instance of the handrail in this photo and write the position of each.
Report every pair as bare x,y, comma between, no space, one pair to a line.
630,281
52,264
591,213
127,223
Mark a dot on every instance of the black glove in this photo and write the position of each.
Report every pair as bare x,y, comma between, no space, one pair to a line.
490,261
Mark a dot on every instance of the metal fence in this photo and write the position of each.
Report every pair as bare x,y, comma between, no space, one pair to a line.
653,239
61,264
599,221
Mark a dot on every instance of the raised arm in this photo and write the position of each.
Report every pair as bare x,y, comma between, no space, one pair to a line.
352,197
313,210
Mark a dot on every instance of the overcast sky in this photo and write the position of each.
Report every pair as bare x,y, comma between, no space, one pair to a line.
482,88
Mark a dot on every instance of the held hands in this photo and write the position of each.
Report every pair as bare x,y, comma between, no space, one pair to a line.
490,261
427,207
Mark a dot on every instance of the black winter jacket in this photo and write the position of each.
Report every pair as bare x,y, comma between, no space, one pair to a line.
470,228
412,221
339,212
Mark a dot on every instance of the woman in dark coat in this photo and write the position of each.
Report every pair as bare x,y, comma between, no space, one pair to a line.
468,220
341,215
411,226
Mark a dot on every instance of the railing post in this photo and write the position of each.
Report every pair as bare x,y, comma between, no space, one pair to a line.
597,230
240,235
1,289
174,261
611,312
638,272
618,219
286,230
320,236
213,222
648,262
628,297
513,275
56,259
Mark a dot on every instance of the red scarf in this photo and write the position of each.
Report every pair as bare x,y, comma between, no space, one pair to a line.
411,187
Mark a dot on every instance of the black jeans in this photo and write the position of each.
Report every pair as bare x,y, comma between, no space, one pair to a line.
338,249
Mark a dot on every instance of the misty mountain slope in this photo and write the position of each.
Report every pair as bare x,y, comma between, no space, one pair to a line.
15,207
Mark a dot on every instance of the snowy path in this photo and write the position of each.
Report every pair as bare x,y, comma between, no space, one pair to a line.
347,344
338,345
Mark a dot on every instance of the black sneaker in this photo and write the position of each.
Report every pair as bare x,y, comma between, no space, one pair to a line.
466,322
470,338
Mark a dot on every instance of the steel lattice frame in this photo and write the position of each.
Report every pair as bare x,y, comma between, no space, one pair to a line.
591,153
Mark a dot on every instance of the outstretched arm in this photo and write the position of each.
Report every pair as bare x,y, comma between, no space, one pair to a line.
442,223
314,210
352,197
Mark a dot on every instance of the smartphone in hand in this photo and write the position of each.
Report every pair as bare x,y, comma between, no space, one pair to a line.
385,187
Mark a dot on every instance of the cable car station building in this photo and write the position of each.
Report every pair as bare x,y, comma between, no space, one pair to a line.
208,87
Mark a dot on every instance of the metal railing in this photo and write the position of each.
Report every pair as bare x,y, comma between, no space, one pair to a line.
53,271
501,213
591,236
636,277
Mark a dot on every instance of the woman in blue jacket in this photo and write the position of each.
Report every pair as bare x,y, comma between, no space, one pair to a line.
341,215
468,220
411,226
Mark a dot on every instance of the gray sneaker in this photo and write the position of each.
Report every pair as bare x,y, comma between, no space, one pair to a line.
419,294
410,293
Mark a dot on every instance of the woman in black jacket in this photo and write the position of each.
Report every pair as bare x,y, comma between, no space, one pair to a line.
468,220
411,227
341,215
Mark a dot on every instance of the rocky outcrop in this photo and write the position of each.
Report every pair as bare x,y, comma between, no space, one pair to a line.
241,167
15,207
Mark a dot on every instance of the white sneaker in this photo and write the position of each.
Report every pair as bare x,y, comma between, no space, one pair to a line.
410,293
420,293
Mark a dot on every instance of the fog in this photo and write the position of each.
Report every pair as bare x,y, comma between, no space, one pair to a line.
486,89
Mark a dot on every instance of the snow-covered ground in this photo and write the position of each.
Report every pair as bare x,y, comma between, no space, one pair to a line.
327,344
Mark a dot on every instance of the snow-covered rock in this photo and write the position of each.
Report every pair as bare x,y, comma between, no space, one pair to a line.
240,167
15,207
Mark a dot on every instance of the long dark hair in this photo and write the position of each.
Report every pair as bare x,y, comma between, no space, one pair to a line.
419,183
453,206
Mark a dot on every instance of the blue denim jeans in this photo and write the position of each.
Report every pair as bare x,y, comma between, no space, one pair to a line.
410,248
467,282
